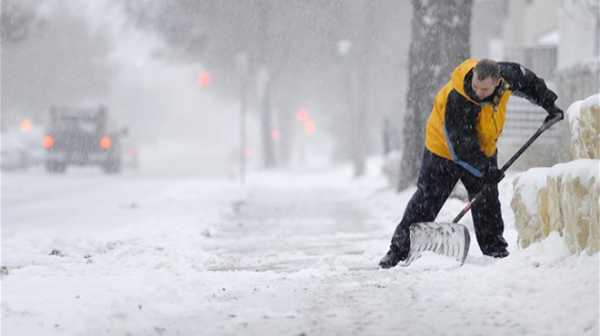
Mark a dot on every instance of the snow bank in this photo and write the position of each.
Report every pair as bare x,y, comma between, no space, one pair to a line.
289,253
584,124
564,198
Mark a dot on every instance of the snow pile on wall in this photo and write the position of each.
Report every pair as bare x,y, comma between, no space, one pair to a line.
584,123
565,198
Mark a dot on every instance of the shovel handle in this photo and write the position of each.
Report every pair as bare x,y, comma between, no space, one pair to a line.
545,126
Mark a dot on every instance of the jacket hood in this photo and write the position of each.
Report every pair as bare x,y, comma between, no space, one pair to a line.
458,77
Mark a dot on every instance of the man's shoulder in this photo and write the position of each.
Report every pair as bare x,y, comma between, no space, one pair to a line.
510,70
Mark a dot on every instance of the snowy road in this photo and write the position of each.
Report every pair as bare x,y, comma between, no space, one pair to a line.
288,254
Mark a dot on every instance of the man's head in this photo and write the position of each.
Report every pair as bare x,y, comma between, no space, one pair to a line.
486,76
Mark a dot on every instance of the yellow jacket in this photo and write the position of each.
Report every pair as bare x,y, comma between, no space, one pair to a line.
457,119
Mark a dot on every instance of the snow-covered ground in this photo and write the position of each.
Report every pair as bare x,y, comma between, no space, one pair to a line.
289,253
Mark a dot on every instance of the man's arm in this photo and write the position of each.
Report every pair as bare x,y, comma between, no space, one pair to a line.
524,83
461,134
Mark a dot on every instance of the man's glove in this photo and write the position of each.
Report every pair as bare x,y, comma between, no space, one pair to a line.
493,175
554,112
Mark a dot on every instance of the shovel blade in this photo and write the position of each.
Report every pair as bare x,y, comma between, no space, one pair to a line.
449,239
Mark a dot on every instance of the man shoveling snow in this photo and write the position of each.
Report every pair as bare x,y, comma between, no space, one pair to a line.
460,144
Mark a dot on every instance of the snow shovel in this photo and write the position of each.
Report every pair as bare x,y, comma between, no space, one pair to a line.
453,239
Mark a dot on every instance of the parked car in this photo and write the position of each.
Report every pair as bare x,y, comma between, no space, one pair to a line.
20,147
83,137
13,155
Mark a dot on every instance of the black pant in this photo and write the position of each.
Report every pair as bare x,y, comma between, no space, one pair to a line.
437,178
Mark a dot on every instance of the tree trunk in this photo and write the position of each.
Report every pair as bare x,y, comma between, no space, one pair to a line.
440,41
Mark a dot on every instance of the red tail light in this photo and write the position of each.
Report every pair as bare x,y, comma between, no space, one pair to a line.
105,143
48,141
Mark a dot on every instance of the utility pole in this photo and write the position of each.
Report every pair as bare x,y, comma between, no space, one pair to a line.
264,81
242,65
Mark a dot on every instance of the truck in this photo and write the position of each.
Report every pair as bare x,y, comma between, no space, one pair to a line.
82,137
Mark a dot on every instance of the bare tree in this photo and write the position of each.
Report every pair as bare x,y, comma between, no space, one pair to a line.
52,56
440,41
15,21
292,45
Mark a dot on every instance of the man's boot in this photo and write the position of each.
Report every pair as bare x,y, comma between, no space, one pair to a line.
501,253
496,249
392,257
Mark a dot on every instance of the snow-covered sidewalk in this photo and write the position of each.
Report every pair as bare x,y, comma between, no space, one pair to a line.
288,254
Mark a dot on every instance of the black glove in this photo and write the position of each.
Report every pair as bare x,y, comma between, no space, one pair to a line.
554,112
493,175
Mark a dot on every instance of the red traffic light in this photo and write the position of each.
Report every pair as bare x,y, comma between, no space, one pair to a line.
204,79
310,127
302,115
275,134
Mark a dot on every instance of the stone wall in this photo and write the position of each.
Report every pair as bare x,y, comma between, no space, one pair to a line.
565,197
584,125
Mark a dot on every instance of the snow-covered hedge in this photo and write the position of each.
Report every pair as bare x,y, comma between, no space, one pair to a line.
565,197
